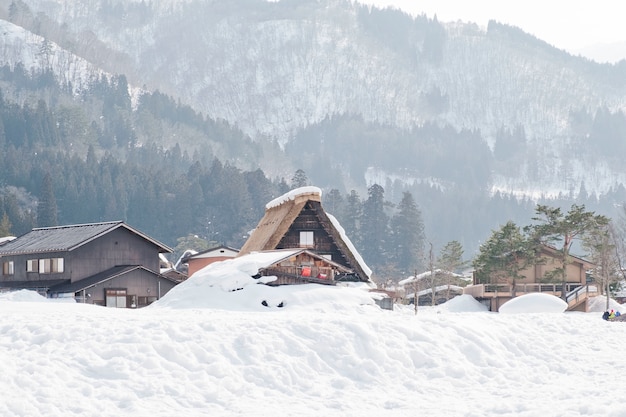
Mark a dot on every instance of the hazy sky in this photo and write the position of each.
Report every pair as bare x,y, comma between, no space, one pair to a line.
573,25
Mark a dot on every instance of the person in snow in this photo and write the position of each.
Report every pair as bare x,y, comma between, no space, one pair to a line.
612,314
605,316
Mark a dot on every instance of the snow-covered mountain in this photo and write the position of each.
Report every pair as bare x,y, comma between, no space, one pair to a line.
274,68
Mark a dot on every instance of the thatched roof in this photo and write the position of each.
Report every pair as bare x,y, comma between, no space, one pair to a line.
279,217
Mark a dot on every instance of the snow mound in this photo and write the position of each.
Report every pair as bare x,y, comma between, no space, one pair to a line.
23,295
598,304
463,304
229,285
534,303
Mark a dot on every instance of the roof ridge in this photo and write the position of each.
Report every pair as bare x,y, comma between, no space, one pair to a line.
67,226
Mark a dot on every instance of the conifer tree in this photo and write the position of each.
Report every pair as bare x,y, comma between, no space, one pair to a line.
5,226
351,221
334,203
556,227
407,231
299,179
503,257
375,226
47,205
451,261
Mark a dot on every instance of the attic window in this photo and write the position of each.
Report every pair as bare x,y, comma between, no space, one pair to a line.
306,239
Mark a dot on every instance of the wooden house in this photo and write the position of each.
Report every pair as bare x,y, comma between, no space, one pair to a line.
199,260
294,266
107,263
297,220
443,287
575,291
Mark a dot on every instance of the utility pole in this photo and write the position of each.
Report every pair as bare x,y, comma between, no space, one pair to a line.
415,287
431,264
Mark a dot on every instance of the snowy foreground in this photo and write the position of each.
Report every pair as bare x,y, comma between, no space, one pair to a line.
324,353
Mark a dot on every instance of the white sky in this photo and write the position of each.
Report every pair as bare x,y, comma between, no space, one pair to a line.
203,350
573,25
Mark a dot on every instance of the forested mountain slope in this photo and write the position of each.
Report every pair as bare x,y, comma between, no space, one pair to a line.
274,68
478,123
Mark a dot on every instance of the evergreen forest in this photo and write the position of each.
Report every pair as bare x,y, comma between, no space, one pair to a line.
70,157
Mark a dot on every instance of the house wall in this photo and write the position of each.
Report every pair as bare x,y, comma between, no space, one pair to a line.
119,247
574,271
194,265
323,243
20,274
301,269
144,286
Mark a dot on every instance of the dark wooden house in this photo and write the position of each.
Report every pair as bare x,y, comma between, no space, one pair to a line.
294,266
297,220
106,263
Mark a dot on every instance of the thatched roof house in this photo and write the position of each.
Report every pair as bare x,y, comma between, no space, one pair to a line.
297,220
294,266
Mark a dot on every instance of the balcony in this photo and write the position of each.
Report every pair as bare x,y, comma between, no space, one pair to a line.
575,292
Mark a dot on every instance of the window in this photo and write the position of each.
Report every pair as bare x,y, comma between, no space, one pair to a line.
115,297
306,239
8,268
51,266
32,265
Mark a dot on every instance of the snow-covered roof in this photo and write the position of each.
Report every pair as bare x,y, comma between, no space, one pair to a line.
438,288
348,242
426,274
6,239
254,261
219,251
186,253
291,195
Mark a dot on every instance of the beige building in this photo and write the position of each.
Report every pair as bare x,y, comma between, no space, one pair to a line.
575,291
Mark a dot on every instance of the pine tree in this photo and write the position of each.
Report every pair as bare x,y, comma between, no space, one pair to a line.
299,179
334,203
504,256
451,256
5,226
451,261
407,231
351,219
375,226
47,205
564,228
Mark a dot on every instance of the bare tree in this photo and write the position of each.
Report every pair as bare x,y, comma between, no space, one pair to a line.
555,226
433,281
601,242
450,261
